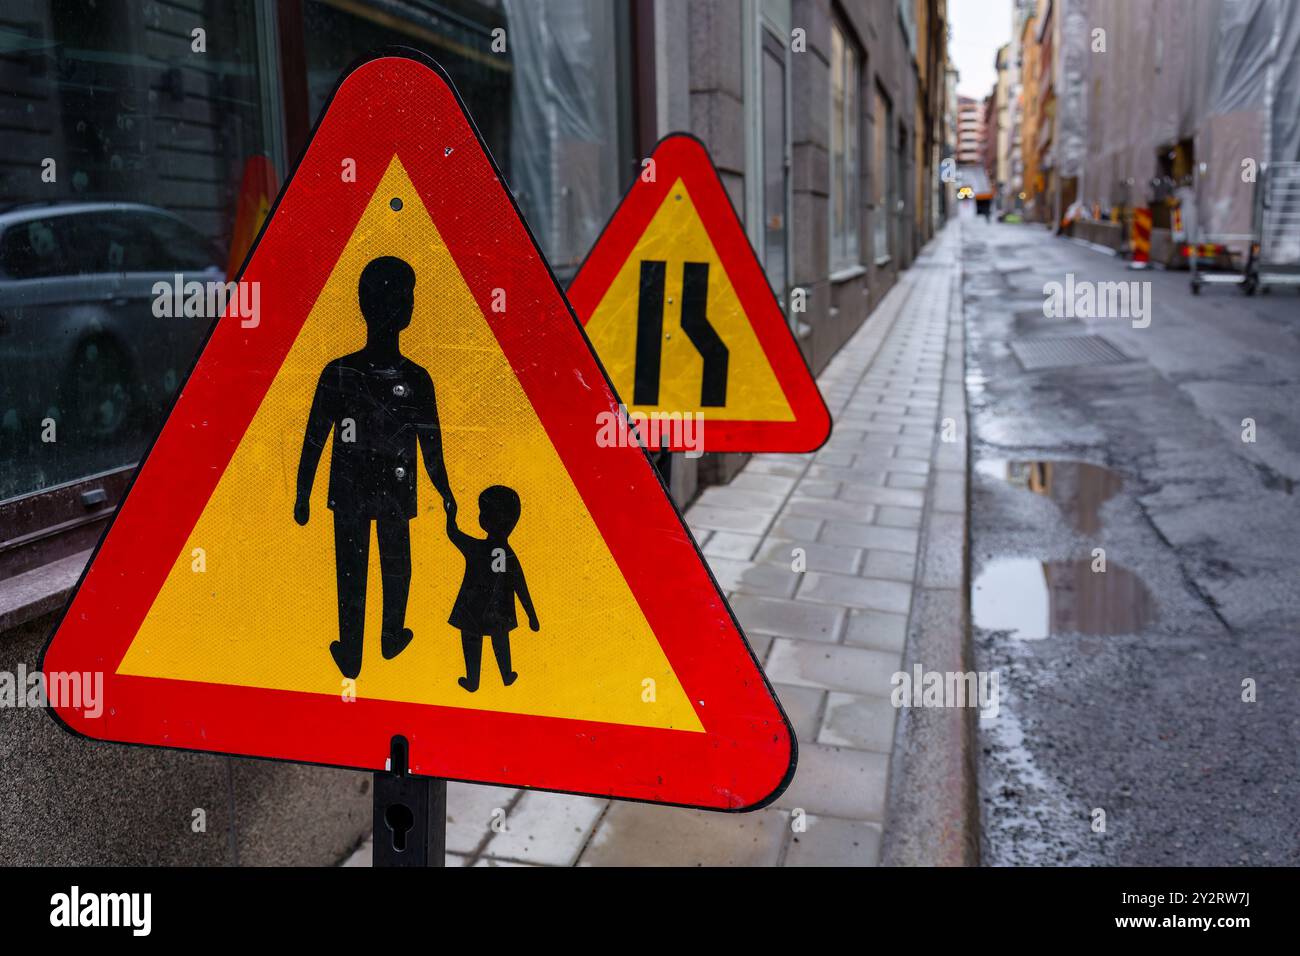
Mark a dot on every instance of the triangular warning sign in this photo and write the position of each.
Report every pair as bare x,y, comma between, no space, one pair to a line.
678,309
380,508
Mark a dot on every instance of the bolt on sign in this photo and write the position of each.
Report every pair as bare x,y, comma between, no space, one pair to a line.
388,476
678,309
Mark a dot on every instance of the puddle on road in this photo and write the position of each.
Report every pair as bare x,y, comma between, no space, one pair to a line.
1078,488
1040,599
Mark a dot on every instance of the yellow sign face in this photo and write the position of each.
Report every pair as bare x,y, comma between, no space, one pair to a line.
677,236
252,598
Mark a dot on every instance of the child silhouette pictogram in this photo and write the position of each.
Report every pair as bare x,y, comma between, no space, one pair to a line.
380,405
485,605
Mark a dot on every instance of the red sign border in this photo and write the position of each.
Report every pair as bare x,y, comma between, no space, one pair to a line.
683,156
747,754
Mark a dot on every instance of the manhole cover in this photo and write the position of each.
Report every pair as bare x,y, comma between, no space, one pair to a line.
1066,351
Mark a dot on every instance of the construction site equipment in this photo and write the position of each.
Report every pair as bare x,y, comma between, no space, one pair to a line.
1211,257
1275,253
1141,246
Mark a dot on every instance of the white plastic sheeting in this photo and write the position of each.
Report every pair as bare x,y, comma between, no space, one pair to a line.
1224,73
1071,138
1146,91
1286,80
564,149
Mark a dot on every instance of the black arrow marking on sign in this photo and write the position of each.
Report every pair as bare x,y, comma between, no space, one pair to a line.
695,323
649,333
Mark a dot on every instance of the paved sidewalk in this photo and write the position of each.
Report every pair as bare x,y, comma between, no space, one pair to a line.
855,516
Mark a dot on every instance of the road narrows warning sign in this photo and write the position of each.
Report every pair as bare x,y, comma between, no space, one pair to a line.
676,305
383,509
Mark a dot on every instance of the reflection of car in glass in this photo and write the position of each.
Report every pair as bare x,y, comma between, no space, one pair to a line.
79,341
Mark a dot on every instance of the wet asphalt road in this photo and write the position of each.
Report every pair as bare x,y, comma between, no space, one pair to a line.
1122,692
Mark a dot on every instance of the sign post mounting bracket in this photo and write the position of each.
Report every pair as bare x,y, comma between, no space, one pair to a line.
410,815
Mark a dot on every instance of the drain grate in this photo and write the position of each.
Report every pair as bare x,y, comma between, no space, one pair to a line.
1064,352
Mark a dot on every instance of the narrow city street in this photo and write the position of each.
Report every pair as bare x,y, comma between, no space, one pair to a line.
1142,606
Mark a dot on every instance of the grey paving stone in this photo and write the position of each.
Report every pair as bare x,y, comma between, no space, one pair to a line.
838,782
889,408
945,550
878,495
807,621
854,670
746,577
877,630
910,465
835,456
641,834
892,516
950,456
853,591
760,644
766,465
906,451
790,458
470,810
890,418
862,474
731,544
869,536
754,481
891,565
865,722
950,491
883,428
803,705
846,434
726,496
547,828
830,509
795,528
818,488
727,519
899,479
816,557
494,861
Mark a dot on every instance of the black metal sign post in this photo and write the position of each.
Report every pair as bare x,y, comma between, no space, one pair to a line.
410,815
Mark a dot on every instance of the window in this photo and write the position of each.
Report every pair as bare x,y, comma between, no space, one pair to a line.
882,178
553,108
35,249
844,215
765,26
775,183
149,140
124,150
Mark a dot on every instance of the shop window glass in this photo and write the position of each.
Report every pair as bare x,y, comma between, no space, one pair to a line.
882,178
123,149
551,106
844,214
151,138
